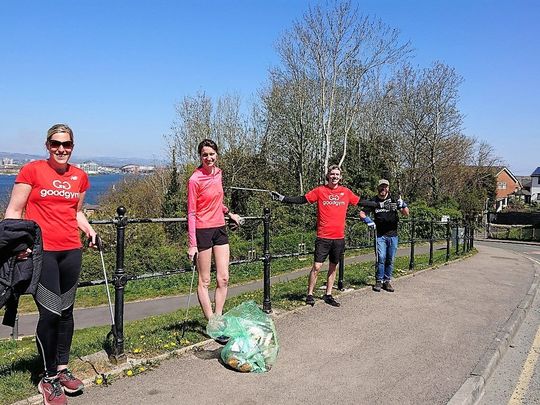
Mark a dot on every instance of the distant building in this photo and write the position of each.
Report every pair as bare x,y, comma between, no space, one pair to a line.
137,169
525,193
96,168
507,184
9,166
90,209
535,185
89,167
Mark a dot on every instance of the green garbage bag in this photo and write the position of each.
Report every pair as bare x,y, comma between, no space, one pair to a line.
253,345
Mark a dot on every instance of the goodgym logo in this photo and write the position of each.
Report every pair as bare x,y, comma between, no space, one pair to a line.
333,199
61,184
61,189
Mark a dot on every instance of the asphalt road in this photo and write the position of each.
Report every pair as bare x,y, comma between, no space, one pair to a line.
415,346
516,379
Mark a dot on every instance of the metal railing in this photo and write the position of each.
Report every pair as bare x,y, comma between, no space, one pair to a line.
462,234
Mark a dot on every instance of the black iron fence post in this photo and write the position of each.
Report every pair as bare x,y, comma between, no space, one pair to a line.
267,304
447,240
341,271
457,237
119,281
472,235
467,236
411,261
431,243
465,230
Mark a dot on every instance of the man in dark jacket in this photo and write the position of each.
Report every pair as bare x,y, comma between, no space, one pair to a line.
386,221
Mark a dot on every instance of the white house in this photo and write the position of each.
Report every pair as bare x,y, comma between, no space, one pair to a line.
535,185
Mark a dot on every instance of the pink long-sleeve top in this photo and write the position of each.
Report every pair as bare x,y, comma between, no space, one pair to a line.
205,202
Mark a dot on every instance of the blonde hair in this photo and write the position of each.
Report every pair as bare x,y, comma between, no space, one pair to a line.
57,128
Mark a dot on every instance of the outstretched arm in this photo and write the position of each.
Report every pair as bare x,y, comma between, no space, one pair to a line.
369,203
386,204
301,199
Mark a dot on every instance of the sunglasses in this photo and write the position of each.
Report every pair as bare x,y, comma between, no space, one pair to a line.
56,144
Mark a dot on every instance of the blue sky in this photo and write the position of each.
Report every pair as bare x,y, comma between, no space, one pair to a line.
114,70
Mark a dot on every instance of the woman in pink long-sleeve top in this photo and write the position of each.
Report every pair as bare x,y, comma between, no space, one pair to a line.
206,227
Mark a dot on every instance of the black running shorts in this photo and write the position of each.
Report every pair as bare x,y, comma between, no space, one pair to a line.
208,237
332,247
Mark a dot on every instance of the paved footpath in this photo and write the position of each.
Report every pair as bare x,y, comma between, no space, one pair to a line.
418,345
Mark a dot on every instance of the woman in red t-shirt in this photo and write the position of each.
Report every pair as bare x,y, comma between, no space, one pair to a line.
206,227
51,193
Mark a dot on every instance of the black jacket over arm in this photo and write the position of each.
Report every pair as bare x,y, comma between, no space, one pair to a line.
18,277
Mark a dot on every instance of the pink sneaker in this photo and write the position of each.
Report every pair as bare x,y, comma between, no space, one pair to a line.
52,391
70,383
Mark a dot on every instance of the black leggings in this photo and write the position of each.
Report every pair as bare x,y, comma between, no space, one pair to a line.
54,298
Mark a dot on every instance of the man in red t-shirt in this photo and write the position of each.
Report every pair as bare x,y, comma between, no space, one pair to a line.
332,201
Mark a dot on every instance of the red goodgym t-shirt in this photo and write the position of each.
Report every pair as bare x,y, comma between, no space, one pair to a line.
331,209
53,201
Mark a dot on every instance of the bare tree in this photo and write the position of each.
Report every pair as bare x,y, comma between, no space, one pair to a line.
200,117
326,58
430,127
192,124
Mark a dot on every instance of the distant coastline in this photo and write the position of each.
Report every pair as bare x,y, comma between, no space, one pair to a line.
100,160
99,185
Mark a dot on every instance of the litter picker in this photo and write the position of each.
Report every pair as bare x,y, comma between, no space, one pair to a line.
375,249
257,190
193,271
99,244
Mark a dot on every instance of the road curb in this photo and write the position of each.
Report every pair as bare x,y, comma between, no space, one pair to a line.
472,389
518,242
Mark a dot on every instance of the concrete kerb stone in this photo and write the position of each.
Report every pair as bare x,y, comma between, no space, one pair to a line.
519,242
472,389
470,392
485,367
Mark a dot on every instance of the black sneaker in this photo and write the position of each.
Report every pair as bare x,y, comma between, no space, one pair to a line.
377,287
330,300
387,286
310,300
222,340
